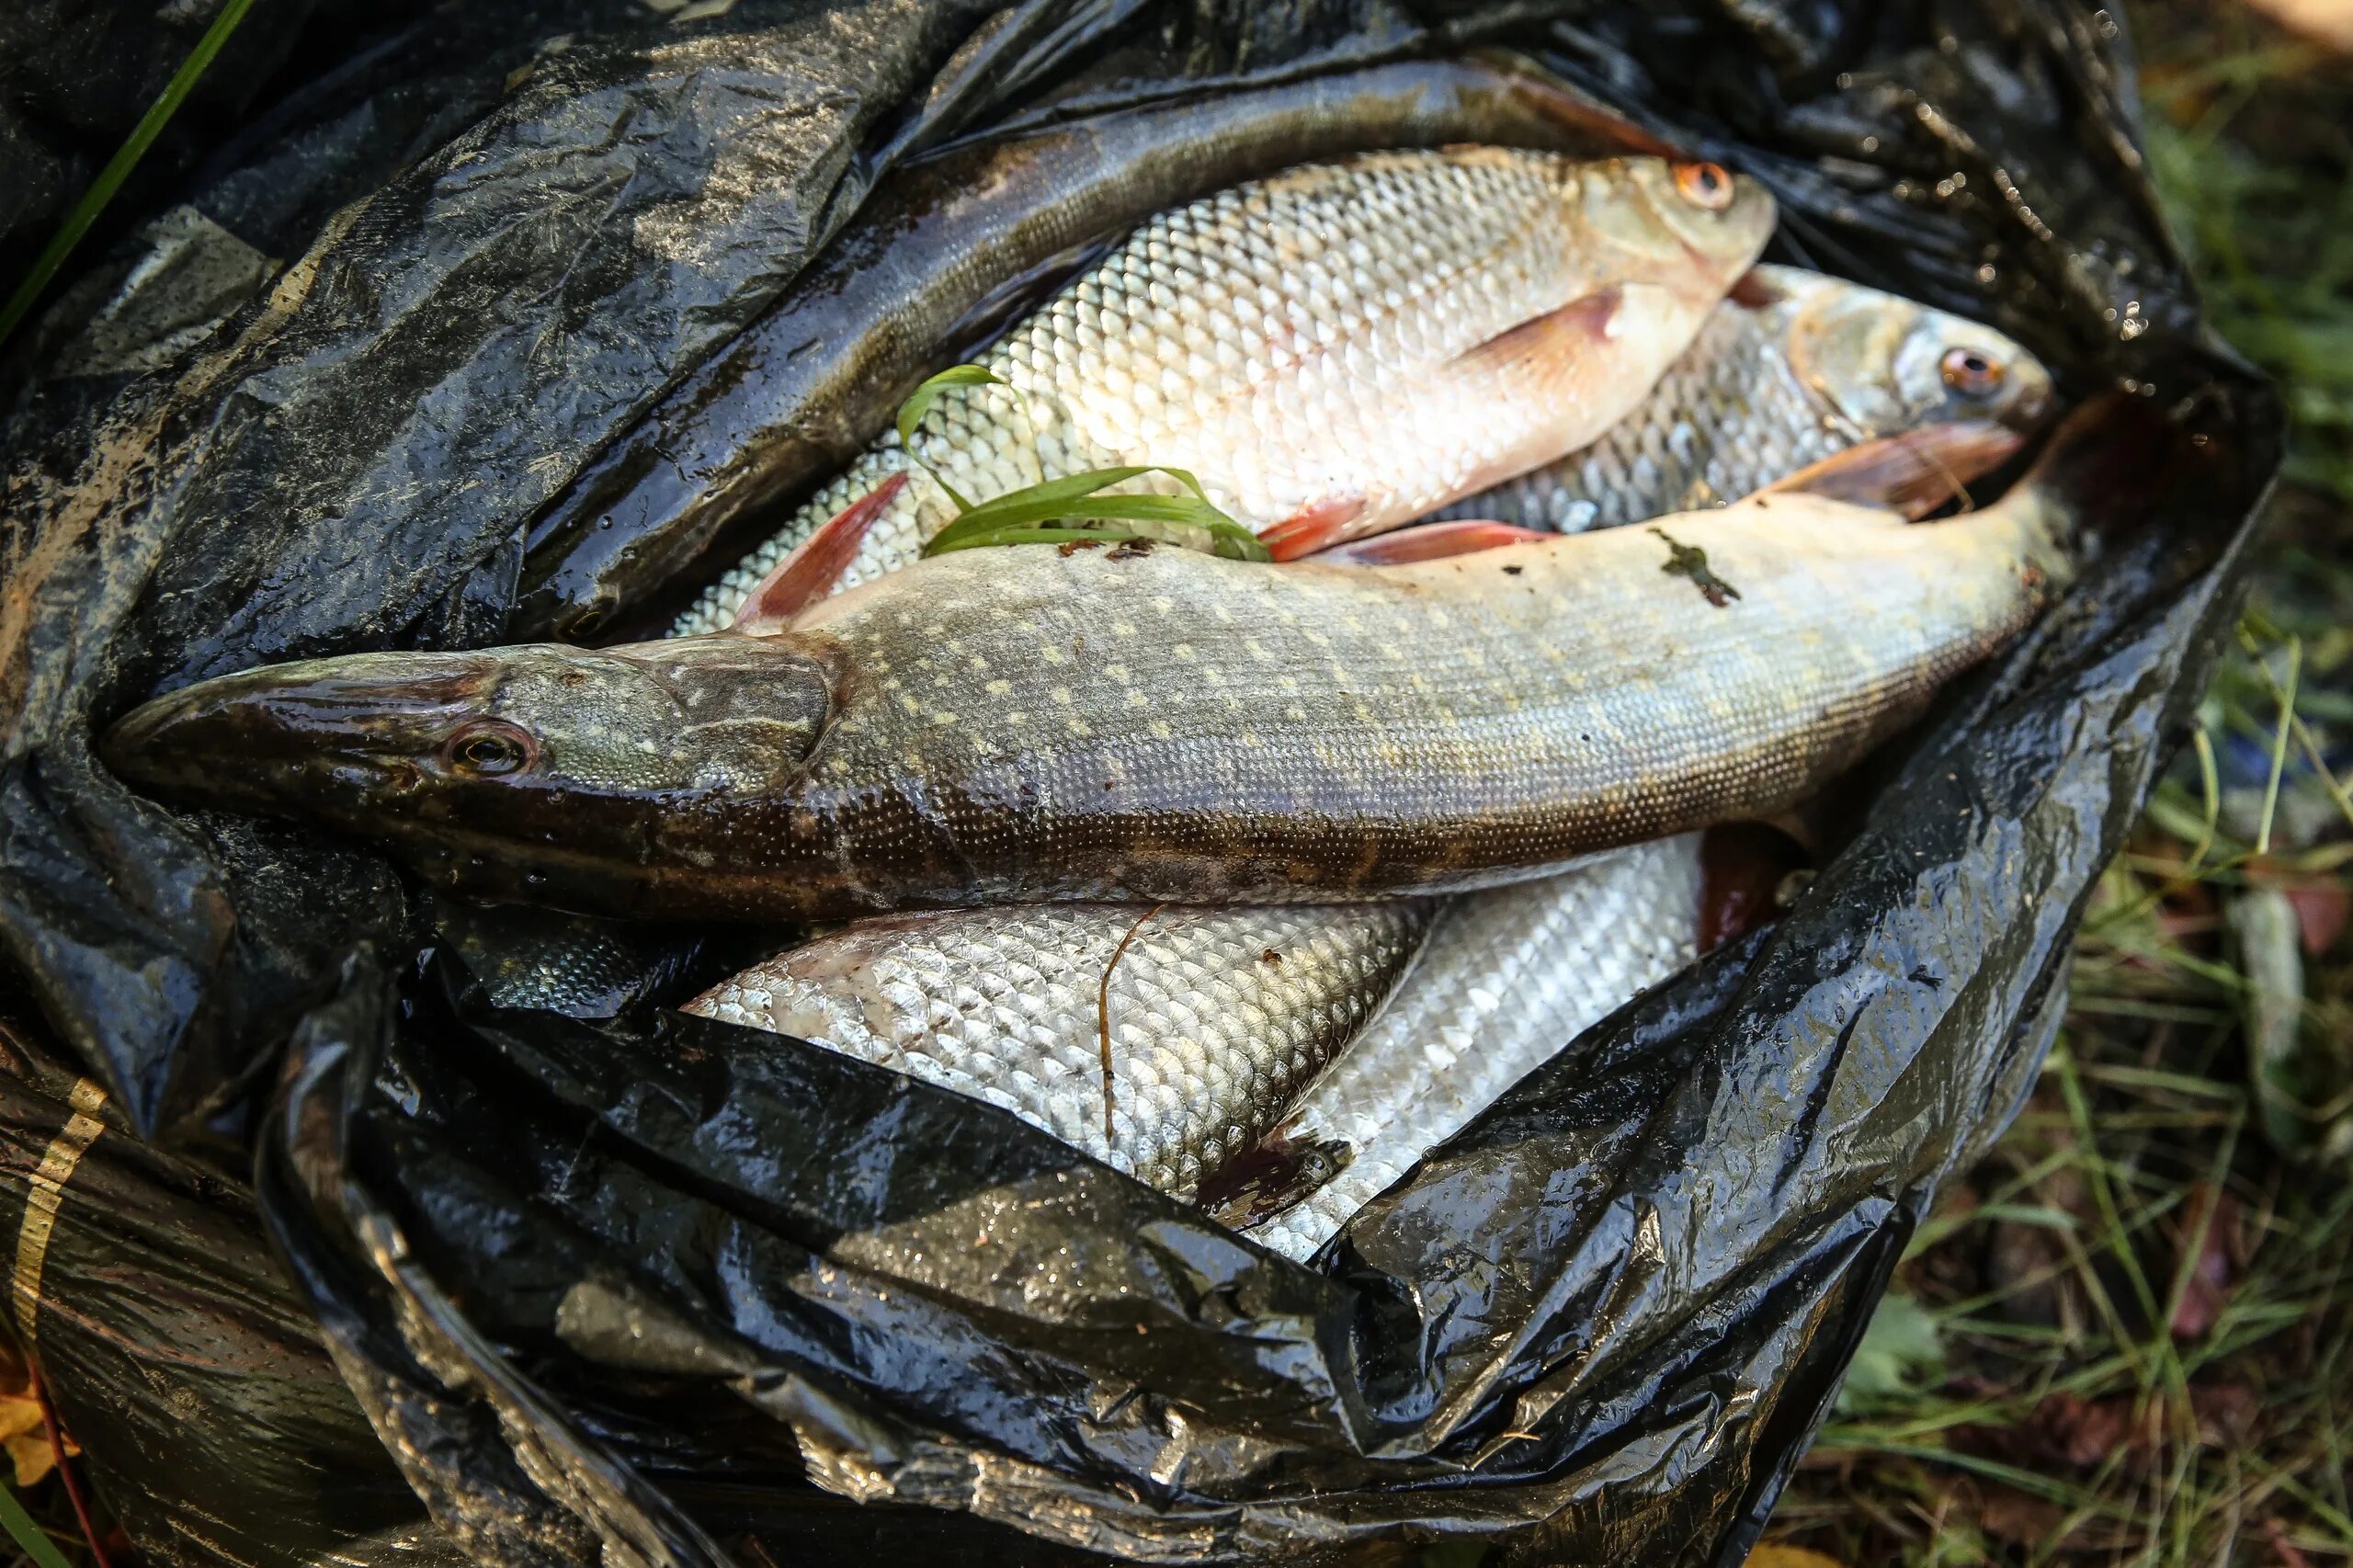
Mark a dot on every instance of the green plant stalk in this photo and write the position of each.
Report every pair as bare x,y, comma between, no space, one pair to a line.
126,158
2279,743
29,1536
1021,516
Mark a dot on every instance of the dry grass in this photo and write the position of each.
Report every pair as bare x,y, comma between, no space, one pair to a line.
2127,1338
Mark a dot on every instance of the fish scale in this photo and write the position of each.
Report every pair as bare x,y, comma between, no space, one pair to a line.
1766,390
1217,1018
1506,979
1312,339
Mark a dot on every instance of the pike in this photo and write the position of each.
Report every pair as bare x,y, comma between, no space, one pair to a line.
1132,724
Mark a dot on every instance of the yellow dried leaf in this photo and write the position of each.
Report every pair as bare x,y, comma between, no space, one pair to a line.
1779,1554
33,1458
19,1413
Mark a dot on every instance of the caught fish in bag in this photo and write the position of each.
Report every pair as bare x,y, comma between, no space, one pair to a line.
652,1284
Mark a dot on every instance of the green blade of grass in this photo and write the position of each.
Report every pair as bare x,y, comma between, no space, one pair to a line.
2280,744
28,1535
126,158
919,402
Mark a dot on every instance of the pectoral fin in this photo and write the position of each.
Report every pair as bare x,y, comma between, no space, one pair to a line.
809,574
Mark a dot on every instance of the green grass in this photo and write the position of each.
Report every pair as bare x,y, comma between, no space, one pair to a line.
2142,1300
93,200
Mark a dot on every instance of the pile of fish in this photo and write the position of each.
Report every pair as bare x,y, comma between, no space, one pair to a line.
1254,879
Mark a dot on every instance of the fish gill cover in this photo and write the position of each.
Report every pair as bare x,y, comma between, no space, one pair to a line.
662,1287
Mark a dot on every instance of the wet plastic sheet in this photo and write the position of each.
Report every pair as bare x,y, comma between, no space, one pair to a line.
663,1289
210,1417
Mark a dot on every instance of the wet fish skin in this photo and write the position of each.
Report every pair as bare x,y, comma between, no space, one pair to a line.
1025,724
1768,386
1506,977
922,268
1218,1018
1364,340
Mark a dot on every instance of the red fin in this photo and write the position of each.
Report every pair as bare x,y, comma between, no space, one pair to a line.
1753,293
1312,527
1580,322
1914,471
806,575
1430,541
1744,867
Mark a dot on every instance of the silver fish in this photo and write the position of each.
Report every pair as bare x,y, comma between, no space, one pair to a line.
1331,351
1506,979
1216,1019
1795,368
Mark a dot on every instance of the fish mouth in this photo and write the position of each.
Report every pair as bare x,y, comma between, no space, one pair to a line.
323,734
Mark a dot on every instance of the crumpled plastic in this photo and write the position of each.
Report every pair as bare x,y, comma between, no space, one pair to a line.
655,1287
210,1416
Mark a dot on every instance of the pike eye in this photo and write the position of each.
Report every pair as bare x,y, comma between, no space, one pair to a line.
1971,373
490,748
1705,185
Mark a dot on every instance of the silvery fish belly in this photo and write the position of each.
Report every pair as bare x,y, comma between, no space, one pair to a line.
1216,1019
1332,351
1506,977
1798,369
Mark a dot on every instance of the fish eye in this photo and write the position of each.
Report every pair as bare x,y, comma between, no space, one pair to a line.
1705,185
490,748
1971,373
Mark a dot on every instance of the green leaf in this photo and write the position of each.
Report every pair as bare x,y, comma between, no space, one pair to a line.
1077,499
1015,535
1018,516
126,158
919,402
30,1537
1901,1352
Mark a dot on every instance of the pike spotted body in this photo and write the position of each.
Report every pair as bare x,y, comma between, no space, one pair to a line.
1128,724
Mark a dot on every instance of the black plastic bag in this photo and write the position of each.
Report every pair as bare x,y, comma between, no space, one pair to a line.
209,1412
660,1286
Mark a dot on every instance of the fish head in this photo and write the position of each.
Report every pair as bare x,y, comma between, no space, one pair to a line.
1687,228
1878,365
505,747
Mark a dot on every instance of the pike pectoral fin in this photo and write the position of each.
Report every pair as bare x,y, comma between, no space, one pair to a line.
1431,542
1913,471
809,574
1312,527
